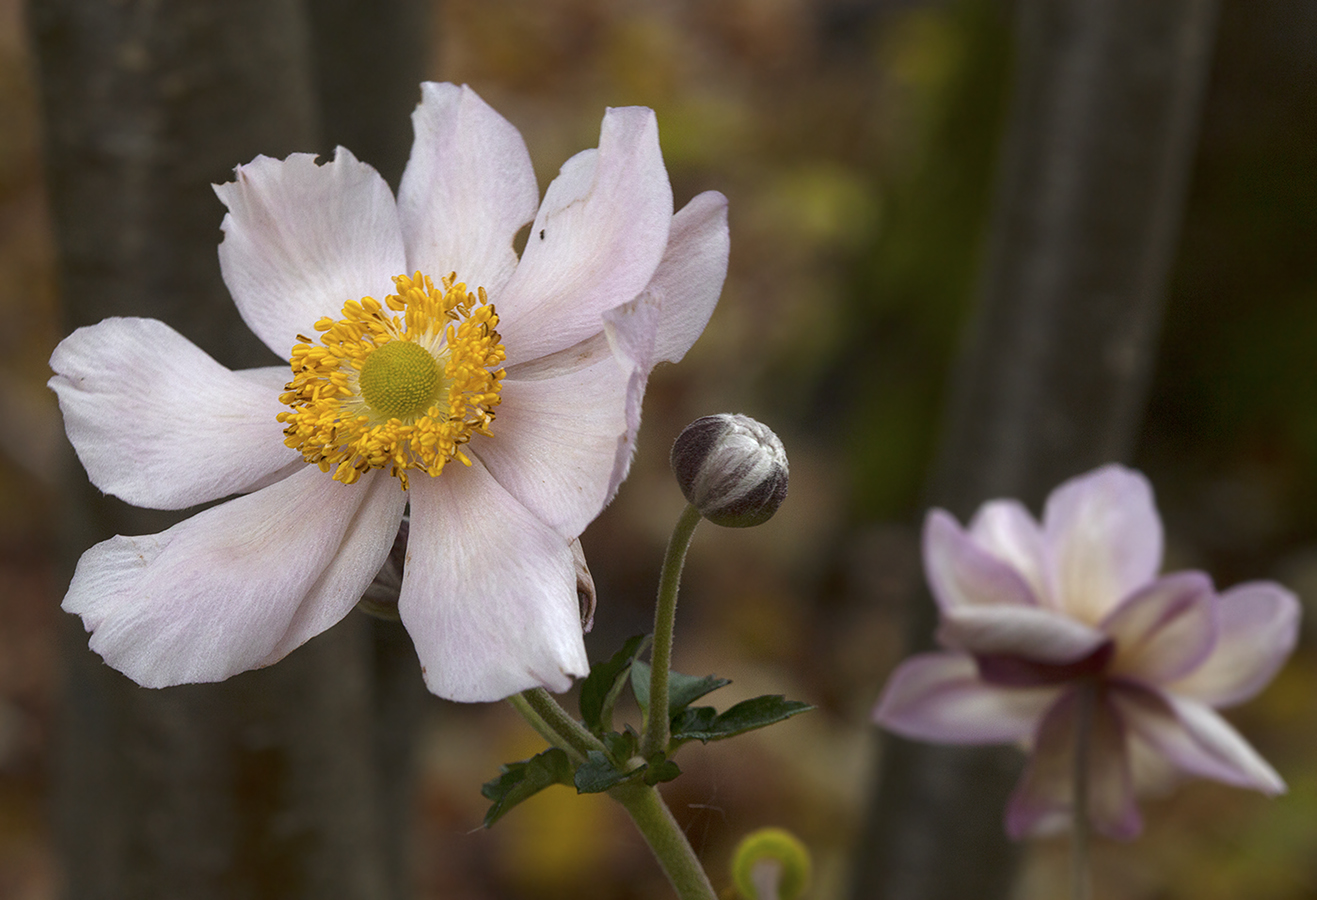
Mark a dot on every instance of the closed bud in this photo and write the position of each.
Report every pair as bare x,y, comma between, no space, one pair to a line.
732,469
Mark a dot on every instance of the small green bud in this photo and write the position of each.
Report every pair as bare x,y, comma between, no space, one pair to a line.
771,864
732,469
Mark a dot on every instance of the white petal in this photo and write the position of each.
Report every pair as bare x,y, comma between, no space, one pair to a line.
940,697
158,423
1164,630
1196,739
489,591
214,595
365,546
301,239
960,573
555,442
1024,633
1006,530
1043,800
595,243
1104,539
1258,624
468,188
689,278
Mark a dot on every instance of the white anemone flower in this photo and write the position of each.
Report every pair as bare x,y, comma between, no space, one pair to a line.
497,396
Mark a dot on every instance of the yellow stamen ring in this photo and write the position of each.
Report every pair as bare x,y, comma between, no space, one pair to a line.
400,391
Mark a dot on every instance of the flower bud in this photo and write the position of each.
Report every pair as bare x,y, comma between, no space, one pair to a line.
732,469
770,864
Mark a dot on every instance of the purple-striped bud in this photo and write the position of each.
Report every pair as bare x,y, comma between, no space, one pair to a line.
732,469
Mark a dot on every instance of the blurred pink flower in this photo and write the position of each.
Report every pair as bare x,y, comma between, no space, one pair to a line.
1033,614
504,432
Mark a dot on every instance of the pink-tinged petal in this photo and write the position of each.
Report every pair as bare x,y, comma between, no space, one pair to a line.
364,548
468,188
214,595
1195,738
1257,626
555,442
157,422
962,574
1005,529
1104,539
689,278
1165,629
595,243
940,697
301,239
1043,800
489,591
1025,633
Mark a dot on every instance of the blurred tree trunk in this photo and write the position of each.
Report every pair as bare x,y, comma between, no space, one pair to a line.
1052,380
293,781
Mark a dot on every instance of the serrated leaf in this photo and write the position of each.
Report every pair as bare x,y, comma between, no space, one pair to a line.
621,746
521,780
661,770
598,774
683,690
600,688
744,716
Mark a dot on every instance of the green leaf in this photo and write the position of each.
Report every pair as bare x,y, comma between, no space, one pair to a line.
661,769
703,724
621,746
598,773
683,690
521,780
600,688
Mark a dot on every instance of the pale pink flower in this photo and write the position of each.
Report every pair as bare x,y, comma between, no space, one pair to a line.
1032,613
506,425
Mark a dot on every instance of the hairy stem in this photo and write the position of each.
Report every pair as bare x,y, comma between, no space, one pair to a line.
666,839
657,731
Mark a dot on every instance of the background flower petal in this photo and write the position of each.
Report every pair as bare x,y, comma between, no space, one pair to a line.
213,595
1007,531
1104,539
555,442
1195,738
158,423
301,239
1165,629
940,697
489,591
1042,801
1257,627
1024,632
467,190
960,573
595,243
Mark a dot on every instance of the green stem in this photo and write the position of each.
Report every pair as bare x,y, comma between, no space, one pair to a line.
1081,885
518,702
666,840
657,731
555,724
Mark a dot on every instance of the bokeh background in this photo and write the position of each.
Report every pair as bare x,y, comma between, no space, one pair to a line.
856,142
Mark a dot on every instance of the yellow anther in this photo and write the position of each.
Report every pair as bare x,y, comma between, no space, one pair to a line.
403,391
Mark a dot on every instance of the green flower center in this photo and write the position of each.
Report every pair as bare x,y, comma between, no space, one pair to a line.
400,380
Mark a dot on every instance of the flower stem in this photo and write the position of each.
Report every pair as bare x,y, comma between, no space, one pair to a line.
555,724
665,839
657,731
644,804
1081,885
